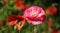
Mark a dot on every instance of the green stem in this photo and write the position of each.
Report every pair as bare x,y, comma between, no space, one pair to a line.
19,31
35,29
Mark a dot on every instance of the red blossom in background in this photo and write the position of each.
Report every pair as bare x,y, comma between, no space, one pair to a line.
20,5
50,23
51,10
15,20
34,15
55,31
6,1
1,23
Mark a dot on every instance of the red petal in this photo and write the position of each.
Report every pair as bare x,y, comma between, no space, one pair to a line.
12,23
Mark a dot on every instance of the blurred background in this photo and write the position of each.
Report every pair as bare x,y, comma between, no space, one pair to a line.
51,8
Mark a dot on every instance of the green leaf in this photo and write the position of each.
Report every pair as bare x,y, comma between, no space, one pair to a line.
11,2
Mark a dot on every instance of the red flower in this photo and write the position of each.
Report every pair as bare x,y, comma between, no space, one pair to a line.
17,20
20,5
1,23
50,23
55,31
51,10
6,1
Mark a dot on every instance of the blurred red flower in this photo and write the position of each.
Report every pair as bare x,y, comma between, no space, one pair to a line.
55,31
1,23
17,20
50,22
6,1
51,10
20,5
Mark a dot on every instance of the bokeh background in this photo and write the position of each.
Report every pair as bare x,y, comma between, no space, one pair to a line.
51,8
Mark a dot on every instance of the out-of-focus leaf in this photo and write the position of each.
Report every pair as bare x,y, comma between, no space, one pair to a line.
1,5
11,2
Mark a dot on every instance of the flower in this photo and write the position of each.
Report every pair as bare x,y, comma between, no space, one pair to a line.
34,15
20,5
6,1
55,31
51,10
1,23
17,20
50,22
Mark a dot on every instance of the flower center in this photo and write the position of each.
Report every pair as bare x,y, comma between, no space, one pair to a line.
20,19
34,13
